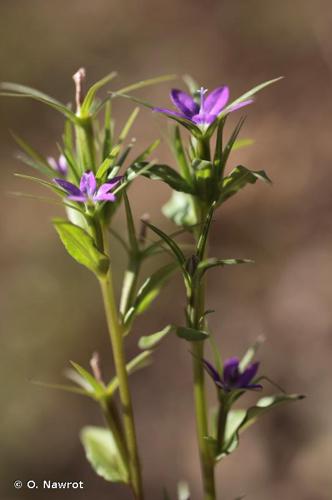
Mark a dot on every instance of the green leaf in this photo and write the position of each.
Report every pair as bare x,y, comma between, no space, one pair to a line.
67,388
173,246
81,246
146,83
180,209
97,388
42,182
89,98
242,143
250,93
151,341
238,179
127,126
146,153
103,169
107,143
140,361
180,154
191,334
265,404
130,224
206,264
201,244
33,158
169,176
17,90
238,420
149,291
103,454
228,148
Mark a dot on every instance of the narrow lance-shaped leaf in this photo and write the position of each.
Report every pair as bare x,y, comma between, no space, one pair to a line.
206,264
17,90
153,340
89,98
229,146
172,245
140,361
169,176
238,179
33,158
201,244
149,291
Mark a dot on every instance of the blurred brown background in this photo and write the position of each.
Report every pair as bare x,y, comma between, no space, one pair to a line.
50,307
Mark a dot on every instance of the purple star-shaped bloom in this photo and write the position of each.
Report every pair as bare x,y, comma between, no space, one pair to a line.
59,165
232,378
88,190
204,112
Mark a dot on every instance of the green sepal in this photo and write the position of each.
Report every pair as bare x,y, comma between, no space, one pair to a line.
81,246
238,179
103,454
180,154
191,334
153,340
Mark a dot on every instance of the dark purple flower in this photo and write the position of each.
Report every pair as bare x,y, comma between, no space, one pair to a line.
232,378
88,190
206,110
59,165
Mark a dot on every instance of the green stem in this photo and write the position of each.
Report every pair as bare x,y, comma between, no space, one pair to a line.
116,336
113,421
196,309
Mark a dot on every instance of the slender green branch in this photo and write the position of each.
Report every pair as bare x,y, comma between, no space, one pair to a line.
116,336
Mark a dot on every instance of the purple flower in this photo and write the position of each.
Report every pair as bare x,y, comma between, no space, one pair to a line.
205,110
59,165
232,378
88,190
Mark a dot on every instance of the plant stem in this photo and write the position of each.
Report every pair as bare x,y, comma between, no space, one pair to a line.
196,311
116,336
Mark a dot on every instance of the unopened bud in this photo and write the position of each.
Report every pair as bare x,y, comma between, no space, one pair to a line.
95,367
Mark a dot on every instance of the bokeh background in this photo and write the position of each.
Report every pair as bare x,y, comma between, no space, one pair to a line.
50,307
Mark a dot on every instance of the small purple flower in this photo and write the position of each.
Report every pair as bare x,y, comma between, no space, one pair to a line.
59,165
232,378
206,110
88,190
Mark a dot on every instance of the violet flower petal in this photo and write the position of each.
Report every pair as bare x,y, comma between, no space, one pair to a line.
216,100
184,102
203,118
240,105
212,372
88,184
81,199
246,377
230,373
62,165
69,187
171,112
